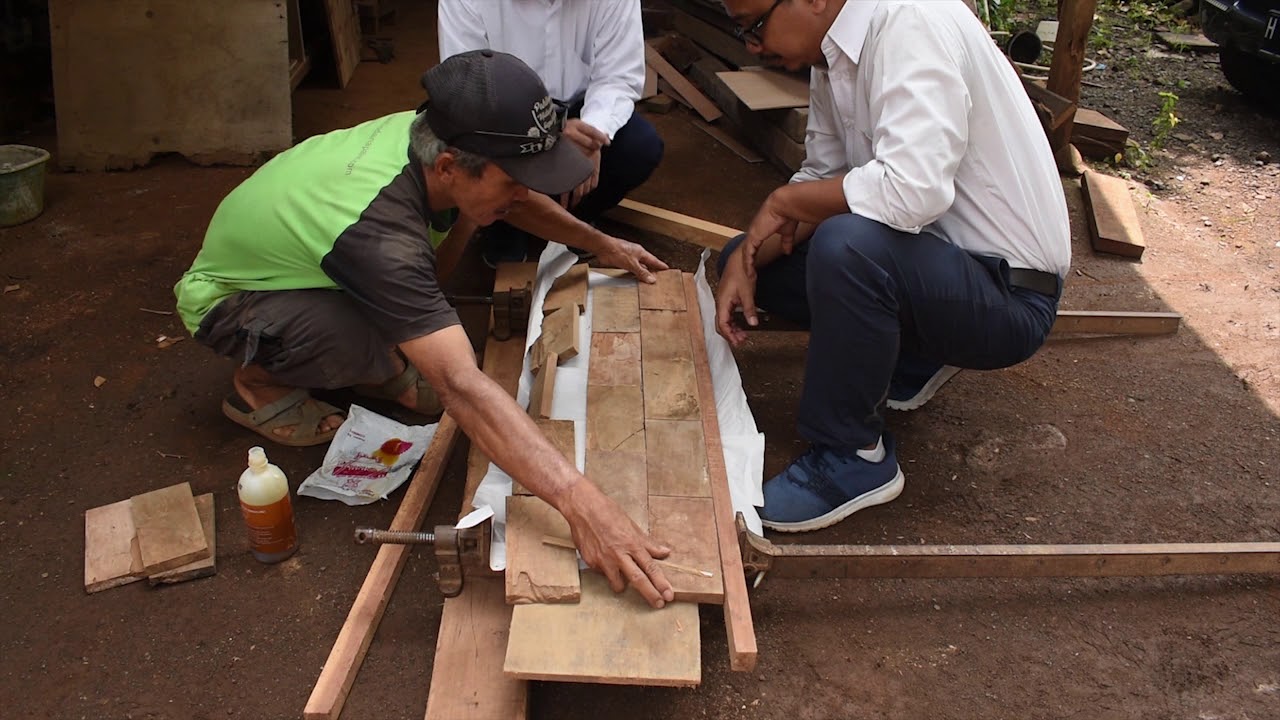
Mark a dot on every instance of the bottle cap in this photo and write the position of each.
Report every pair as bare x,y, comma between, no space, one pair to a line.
257,458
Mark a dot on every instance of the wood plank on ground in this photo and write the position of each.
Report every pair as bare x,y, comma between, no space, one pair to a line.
537,572
615,418
730,142
687,525
606,638
622,476
111,555
737,606
1102,322
677,458
467,681
168,528
1113,222
1097,136
666,294
615,359
615,309
198,568
691,94
767,89
672,224
568,289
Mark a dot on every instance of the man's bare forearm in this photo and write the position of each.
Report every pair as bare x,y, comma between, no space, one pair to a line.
542,216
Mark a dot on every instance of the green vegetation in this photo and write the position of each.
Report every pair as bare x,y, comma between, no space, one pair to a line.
1166,120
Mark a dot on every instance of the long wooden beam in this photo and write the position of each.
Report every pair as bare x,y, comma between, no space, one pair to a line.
1102,322
737,606
1075,18
330,692
672,224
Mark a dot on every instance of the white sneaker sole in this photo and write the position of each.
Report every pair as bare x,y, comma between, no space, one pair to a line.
926,393
879,496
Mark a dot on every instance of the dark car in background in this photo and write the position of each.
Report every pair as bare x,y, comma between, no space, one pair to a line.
1248,36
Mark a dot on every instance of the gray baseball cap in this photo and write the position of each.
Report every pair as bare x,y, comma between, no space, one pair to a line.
490,103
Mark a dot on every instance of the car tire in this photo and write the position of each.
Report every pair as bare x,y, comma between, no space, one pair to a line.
1251,75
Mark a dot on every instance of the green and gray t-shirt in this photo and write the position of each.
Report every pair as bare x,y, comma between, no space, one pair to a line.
346,210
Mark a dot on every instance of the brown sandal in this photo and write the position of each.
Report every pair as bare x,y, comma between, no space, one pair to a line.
428,402
297,409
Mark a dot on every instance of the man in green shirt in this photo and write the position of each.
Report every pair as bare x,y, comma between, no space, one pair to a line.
322,270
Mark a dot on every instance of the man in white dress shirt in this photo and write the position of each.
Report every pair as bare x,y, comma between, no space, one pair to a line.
590,54
926,231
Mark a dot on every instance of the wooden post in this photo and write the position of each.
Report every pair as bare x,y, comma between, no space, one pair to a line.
1075,18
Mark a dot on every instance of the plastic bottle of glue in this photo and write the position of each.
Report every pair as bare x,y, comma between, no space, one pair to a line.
268,514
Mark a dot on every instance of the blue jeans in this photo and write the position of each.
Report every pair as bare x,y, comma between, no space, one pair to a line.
874,297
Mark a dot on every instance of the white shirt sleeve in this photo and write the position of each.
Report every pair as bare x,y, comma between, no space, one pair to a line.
919,107
460,28
824,152
617,68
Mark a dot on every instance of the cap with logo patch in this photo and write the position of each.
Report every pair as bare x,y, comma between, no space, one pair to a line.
490,103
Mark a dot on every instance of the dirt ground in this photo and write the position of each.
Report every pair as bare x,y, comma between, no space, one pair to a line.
1170,439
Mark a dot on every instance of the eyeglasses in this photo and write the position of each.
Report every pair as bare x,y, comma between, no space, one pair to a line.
751,35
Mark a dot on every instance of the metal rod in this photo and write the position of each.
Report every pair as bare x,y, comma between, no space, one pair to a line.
374,536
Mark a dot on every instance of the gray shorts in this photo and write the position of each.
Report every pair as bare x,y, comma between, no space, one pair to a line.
303,338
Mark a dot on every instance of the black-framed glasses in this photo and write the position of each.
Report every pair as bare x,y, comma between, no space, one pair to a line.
751,35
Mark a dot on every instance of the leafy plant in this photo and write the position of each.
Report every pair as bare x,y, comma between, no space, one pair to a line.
1134,156
1166,120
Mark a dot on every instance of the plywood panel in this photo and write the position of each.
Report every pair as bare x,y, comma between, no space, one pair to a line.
111,555
168,527
615,309
133,78
615,359
677,458
198,568
605,638
467,682
688,526
621,476
670,390
538,572
615,418
767,89
666,294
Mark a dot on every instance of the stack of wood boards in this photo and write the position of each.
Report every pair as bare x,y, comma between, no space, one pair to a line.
165,536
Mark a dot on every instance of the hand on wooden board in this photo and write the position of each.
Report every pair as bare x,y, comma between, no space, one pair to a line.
610,542
631,257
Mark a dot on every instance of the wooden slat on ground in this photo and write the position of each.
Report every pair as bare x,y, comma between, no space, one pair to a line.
198,568
737,606
688,526
537,572
111,556
672,224
700,103
677,458
605,638
168,527
1113,222
1102,322
467,682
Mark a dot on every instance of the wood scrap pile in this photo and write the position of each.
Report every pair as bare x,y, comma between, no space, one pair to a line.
165,536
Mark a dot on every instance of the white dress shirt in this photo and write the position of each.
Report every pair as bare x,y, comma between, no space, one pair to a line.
932,130
596,46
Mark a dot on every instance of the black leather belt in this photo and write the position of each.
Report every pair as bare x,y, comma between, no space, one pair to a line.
1042,282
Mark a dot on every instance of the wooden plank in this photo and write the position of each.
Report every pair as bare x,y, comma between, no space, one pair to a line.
1188,41
1101,322
615,418
559,337
197,568
730,142
605,638
672,224
344,32
136,78
1113,222
666,294
687,525
331,689
622,476
467,682
615,309
677,458
544,388
168,528
537,572
1052,109
670,390
1097,136
705,107
767,89
615,359
758,128
737,606
1065,69
664,335
650,83
568,289
111,555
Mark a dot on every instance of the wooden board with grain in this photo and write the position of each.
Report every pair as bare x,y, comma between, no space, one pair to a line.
1113,222
615,359
168,528
111,555
568,289
560,336
672,224
542,393
198,568
615,418
664,335
537,572
687,525
622,476
605,638
666,294
677,458
686,90
467,681
767,89
615,309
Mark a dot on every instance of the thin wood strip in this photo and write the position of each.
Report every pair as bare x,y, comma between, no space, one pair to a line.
666,71
672,224
1101,322
467,682
737,606
330,691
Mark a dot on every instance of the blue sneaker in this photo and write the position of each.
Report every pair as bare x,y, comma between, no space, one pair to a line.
823,487
911,388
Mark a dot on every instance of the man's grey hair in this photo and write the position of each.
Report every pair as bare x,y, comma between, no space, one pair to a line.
425,144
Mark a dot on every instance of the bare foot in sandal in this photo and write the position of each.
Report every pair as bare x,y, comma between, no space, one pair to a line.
258,389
